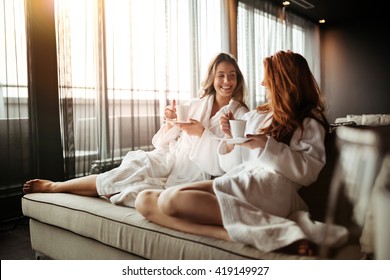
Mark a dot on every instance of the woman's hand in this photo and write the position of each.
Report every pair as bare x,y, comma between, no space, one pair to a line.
224,123
170,111
194,128
170,114
256,141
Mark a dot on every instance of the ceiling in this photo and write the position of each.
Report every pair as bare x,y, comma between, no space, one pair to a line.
333,11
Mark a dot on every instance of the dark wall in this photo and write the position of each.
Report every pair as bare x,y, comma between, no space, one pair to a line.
355,76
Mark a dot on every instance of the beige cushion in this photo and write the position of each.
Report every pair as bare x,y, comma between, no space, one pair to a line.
123,228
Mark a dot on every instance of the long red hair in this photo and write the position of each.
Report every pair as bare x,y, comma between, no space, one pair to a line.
293,94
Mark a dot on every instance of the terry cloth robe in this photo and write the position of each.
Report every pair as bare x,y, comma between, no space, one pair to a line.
177,158
259,190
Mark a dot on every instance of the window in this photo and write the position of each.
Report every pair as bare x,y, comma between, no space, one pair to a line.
13,61
261,32
120,62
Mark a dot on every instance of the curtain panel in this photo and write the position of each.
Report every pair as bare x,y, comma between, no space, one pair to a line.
15,160
14,126
29,146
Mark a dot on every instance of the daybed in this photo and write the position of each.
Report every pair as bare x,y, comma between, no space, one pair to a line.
66,226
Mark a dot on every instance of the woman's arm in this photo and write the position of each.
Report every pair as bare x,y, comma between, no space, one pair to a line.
303,159
167,132
204,151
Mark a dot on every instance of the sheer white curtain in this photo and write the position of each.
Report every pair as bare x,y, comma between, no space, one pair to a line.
14,126
120,62
13,60
264,28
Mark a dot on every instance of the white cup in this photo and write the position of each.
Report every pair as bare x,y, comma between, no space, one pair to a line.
182,112
237,127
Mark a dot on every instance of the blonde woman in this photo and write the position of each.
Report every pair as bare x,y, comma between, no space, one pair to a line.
183,152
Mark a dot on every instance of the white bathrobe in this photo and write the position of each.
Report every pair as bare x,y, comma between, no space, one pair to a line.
259,190
177,158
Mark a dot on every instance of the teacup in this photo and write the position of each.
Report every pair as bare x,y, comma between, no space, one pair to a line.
182,112
237,128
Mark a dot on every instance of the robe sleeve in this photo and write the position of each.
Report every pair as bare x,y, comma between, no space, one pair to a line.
204,152
240,112
303,159
162,138
229,160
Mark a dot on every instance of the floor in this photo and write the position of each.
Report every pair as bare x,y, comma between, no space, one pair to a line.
15,240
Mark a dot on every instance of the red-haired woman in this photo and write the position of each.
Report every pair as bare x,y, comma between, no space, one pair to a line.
256,202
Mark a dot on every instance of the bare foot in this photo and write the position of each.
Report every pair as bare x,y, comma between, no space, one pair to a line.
38,185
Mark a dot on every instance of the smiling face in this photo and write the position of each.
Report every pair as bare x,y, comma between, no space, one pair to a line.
225,80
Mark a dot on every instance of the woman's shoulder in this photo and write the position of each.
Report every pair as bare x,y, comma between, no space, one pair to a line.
309,121
236,106
255,115
195,101
314,125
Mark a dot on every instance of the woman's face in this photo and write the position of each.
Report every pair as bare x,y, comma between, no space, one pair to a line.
267,93
225,80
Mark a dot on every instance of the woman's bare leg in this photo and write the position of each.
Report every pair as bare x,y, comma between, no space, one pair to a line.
82,186
147,204
195,202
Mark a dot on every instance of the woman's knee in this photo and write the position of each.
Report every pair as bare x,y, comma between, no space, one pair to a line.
168,202
145,202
